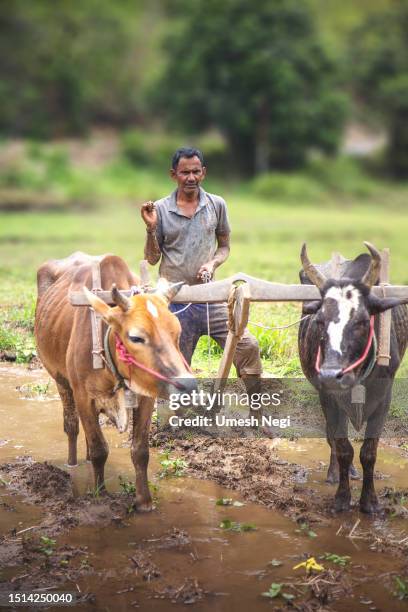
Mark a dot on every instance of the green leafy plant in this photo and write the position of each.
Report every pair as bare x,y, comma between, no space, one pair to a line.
275,590
402,588
341,560
172,466
128,487
229,525
34,389
47,545
305,529
25,350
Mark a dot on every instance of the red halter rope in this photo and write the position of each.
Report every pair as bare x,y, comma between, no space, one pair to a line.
127,358
360,360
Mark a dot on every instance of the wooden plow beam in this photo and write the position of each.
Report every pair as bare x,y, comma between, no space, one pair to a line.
242,289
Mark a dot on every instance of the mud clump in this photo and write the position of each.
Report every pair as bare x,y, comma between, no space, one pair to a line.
42,482
252,467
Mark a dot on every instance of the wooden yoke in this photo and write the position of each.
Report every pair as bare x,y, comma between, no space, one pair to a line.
238,312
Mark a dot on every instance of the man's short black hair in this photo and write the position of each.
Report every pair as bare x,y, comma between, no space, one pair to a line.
188,152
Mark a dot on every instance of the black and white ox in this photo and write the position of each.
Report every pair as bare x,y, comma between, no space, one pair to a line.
337,348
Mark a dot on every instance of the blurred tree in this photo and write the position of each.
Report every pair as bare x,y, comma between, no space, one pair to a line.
64,65
379,65
258,73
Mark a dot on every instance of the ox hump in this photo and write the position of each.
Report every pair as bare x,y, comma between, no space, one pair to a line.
347,300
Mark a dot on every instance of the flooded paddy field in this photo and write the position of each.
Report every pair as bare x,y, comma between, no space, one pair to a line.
242,515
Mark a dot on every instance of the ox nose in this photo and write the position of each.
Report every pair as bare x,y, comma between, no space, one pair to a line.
327,374
185,384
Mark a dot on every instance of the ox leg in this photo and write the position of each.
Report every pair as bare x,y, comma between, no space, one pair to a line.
71,421
368,456
140,452
333,470
345,453
96,443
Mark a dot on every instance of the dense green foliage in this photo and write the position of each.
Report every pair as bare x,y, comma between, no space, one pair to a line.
65,65
379,52
259,74
273,77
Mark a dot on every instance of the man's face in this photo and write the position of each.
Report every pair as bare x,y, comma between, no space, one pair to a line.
189,174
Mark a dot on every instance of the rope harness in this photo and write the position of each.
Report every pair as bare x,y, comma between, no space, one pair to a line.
124,356
371,340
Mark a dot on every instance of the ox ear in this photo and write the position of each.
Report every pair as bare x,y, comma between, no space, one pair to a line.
377,305
311,307
99,305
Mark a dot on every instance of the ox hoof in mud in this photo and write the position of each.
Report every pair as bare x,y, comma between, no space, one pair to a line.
143,506
370,505
342,503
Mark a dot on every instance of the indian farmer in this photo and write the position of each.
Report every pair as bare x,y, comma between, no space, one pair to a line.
189,232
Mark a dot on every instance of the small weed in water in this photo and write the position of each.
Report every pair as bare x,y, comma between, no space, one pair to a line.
84,565
229,525
275,590
154,490
34,389
305,529
228,501
172,467
96,491
341,560
275,563
47,545
128,487
402,588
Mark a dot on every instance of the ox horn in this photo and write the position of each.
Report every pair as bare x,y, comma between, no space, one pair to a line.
371,276
119,299
312,272
168,290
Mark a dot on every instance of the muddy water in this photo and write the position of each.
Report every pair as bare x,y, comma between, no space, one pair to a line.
234,568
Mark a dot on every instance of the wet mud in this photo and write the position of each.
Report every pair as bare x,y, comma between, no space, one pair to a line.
241,517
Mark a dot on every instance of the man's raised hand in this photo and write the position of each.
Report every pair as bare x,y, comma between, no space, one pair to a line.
149,215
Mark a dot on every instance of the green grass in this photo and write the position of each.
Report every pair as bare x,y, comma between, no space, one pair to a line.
267,233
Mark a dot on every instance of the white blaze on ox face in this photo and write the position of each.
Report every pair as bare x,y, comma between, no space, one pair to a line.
348,300
152,309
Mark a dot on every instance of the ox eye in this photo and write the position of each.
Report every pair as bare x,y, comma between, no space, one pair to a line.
137,339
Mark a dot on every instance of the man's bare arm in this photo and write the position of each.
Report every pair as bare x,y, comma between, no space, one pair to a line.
221,254
152,250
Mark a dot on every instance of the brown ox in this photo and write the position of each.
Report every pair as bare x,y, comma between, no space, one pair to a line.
147,329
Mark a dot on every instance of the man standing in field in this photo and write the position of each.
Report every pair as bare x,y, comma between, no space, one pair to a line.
189,231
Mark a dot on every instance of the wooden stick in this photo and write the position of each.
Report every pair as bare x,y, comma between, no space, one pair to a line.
144,272
384,356
96,320
261,291
241,301
356,524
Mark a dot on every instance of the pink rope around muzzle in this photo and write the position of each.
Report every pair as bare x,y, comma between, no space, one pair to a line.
127,358
360,360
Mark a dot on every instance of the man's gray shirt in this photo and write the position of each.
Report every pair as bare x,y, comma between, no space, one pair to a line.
186,244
